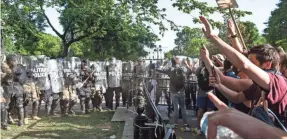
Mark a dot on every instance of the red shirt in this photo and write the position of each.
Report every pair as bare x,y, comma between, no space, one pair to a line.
276,96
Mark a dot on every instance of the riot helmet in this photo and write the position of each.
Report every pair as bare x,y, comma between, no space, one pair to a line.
17,71
29,74
140,61
113,61
12,60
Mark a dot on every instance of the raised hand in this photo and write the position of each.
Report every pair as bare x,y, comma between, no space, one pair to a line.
207,29
214,79
231,28
204,53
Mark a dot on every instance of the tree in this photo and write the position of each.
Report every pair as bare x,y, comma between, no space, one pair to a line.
277,26
189,41
187,6
107,26
249,33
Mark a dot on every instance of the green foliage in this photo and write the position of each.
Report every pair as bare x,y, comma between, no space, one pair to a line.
277,26
189,41
95,29
187,6
168,54
249,33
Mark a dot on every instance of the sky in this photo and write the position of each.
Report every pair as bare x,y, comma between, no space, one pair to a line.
261,10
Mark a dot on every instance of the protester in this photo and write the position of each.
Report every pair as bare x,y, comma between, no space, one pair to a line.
177,74
203,103
260,69
244,125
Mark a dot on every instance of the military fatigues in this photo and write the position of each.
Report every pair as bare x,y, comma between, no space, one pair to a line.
14,88
84,92
31,96
68,100
4,97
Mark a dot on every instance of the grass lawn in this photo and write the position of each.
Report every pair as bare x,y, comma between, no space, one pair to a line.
96,125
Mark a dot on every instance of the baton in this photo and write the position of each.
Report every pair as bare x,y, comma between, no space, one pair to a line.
81,84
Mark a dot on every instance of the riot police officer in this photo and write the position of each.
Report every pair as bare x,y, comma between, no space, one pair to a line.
127,82
31,96
69,96
13,86
3,96
114,82
99,86
84,92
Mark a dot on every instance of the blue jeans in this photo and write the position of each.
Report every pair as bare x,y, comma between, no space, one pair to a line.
205,103
261,114
178,98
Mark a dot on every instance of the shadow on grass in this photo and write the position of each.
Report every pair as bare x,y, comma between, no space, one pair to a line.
91,126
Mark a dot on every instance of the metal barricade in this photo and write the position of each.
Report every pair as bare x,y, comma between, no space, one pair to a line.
151,126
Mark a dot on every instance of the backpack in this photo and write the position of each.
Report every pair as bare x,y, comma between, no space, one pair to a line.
203,79
178,78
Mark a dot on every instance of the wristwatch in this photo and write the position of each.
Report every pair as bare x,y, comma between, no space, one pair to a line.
233,36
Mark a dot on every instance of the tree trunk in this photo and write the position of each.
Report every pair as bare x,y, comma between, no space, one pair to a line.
65,50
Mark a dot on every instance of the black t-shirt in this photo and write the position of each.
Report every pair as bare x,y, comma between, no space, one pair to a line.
242,107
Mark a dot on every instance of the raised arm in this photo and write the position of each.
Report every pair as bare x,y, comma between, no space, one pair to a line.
235,97
234,39
236,58
231,83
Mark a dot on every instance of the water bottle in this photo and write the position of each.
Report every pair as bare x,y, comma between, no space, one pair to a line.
222,132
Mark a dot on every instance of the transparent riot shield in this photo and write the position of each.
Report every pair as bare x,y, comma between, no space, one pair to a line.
115,74
39,68
54,74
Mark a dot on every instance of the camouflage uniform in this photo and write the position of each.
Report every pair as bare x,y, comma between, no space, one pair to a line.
31,96
13,88
84,92
68,100
3,97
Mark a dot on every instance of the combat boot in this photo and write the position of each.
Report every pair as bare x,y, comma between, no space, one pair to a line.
10,120
100,109
6,127
26,121
21,116
87,111
72,112
36,118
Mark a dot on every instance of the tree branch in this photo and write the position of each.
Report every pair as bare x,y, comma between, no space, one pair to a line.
77,39
50,24
67,29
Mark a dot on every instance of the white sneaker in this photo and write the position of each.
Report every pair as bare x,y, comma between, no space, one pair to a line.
186,128
197,131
